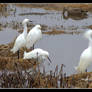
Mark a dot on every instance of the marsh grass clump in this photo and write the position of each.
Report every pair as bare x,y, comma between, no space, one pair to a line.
2,6
15,74
20,73
4,10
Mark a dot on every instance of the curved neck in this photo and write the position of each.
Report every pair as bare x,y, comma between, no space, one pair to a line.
90,43
25,30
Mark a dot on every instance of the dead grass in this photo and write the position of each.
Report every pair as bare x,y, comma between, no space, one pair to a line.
8,59
80,80
2,6
90,26
9,62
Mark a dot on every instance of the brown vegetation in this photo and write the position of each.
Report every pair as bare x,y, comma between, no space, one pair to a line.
56,32
58,6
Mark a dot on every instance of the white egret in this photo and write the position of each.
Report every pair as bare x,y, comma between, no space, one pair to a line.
33,36
21,39
38,54
86,56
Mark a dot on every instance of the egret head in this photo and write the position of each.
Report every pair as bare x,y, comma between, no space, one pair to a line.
46,54
38,26
25,21
88,34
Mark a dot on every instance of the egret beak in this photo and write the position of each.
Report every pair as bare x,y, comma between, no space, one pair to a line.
30,21
40,28
49,60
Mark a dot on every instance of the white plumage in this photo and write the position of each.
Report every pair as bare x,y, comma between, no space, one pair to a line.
38,54
33,36
21,39
86,56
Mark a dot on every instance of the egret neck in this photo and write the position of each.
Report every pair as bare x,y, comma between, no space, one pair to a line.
25,30
90,41
90,45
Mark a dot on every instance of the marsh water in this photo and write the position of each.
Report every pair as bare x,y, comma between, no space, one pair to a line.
63,48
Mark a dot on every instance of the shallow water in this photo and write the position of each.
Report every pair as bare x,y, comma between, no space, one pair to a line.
7,36
63,48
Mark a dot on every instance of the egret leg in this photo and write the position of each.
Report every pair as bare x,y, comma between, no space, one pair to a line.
49,60
86,70
18,54
33,46
37,56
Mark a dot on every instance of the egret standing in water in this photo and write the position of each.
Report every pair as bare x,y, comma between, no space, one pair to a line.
33,36
86,56
38,54
21,39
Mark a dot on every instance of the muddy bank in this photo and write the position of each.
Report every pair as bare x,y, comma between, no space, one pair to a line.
57,32
58,6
